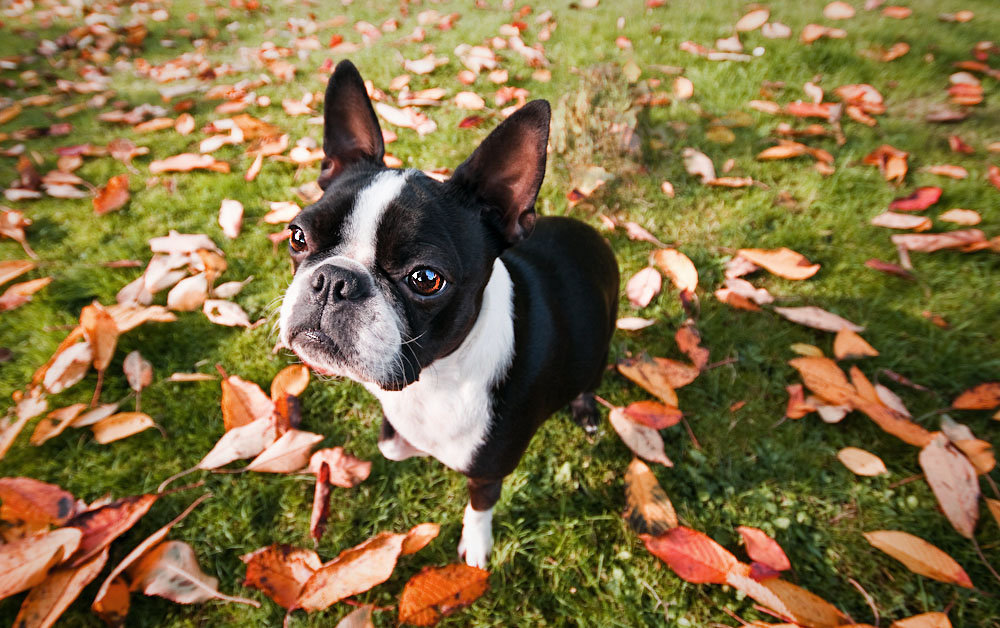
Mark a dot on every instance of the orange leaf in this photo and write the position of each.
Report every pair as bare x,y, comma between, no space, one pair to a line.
9,269
647,508
985,396
848,344
689,342
921,199
692,555
354,571
659,376
861,462
784,150
892,220
101,332
437,592
112,196
280,571
954,482
930,242
113,605
924,620
653,414
763,549
291,380
817,318
47,601
32,501
825,379
18,294
121,425
288,454
788,600
797,406
919,556
25,562
418,537
186,162
783,262
105,524
678,267
243,402
321,503
643,441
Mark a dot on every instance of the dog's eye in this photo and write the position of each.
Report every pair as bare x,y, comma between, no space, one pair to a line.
425,282
297,240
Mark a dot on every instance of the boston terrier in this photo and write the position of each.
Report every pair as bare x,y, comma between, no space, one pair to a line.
467,316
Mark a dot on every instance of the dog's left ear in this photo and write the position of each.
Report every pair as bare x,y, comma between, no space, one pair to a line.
506,170
351,132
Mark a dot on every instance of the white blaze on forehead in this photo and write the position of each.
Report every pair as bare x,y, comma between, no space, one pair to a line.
361,229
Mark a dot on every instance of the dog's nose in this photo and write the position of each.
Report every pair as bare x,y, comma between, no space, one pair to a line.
339,283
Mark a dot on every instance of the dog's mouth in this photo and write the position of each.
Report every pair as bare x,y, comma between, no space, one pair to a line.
325,356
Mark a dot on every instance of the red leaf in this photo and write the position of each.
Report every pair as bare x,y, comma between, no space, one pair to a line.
321,503
653,414
112,196
692,555
32,501
921,199
105,524
763,549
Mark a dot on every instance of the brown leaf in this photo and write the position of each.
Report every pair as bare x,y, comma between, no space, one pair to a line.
647,508
692,555
103,525
643,286
763,549
954,482
930,242
354,571
18,294
288,454
783,262
731,182
817,318
101,331
280,571
243,402
645,442
138,371
848,344
919,556
418,537
924,620
112,196
689,342
9,269
186,162
861,462
659,376
437,592
985,396
678,267
653,414
171,570
25,563
47,601
121,425
346,471
788,600
32,501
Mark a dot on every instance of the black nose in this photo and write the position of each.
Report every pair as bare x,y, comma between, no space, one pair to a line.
339,284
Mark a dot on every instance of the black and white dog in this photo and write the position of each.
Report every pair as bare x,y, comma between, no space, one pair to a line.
433,296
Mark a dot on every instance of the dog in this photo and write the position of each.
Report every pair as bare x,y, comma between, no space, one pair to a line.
468,317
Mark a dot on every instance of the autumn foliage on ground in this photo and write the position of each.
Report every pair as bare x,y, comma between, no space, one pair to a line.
805,385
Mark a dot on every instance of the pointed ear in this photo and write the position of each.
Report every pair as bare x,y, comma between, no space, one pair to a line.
507,169
350,129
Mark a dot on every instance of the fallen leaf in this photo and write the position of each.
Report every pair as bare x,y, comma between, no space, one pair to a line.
280,571
18,294
226,313
838,10
186,162
763,549
171,570
861,462
967,217
12,224
782,262
817,318
893,220
797,406
653,414
689,342
188,294
921,199
55,423
924,620
26,409
25,562
633,323
948,170
121,425
112,196
643,286
698,164
930,242
353,571
647,508
954,482
419,537
138,371
891,162
101,331
437,592
678,267
243,402
692,555
919,556
787,599
360,617
683,88
897,12
346,471
101,526
659,376
889,269
47,600
731,182
32,501
231,217
242,441
10,269
985,396
849,345
644,441
752,20
68,367
287,454
825,379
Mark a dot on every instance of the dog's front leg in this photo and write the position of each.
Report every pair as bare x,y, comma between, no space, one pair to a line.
477,524
393,446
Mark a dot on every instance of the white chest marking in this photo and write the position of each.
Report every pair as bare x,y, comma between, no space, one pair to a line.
361,228
447,412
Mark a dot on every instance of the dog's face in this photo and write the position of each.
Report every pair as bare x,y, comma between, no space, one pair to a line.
390,265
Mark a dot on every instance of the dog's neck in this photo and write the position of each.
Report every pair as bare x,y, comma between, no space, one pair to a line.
447,412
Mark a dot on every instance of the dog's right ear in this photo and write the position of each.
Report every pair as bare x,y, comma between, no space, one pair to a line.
351,132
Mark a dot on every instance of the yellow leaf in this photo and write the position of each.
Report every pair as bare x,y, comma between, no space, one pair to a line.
919,556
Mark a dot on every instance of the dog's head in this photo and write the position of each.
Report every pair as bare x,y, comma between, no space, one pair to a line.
390,265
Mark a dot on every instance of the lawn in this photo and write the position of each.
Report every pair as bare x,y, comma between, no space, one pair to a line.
563,555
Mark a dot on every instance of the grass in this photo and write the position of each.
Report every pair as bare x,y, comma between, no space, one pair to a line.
563,554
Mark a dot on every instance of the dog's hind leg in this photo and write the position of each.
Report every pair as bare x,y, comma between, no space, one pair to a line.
585,412
477,524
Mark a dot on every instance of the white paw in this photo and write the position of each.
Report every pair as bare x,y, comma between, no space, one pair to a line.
398,448
477,537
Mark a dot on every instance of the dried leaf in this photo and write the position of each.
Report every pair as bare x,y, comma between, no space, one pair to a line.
138,371
103,525
121,425
782,262
280,571
419,537
647,508
985,396
18,294
25,562
633,323
653,414
226,313
930,242
788,600
437,592
243,441
919,556
643,286
689,342
889,269
752,20
9,269
921,199
924,620
691,554
817,318
354,571
33,501
68,367
678,267
186,162
287,454
171,570
797,406
346,471
849,345
189,294
893,220
861,462
101,331
231,217
763,549
112,196
838,10
644,441
47,601
825,379
243,402
954,482
967,217
698,164
360,617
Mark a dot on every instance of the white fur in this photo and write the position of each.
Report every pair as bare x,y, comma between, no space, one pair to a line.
397,448
359,235
447,412
477,537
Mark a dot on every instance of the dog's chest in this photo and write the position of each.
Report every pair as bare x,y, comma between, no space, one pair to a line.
448,412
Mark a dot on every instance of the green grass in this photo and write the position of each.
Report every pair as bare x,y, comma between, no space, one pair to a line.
563,554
